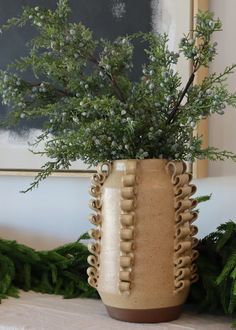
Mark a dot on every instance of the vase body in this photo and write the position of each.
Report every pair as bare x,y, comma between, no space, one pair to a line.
142,261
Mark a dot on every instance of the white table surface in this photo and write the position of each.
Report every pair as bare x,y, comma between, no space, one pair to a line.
48,312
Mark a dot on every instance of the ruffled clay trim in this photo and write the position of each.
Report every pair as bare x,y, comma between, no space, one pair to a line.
95,204
128,205
185,271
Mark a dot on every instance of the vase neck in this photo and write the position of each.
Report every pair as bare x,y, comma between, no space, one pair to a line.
144,164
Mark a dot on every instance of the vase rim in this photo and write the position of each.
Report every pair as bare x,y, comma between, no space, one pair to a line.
142,160
150,164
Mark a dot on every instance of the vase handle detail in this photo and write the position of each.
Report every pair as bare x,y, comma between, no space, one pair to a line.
127,232
97,181
185,242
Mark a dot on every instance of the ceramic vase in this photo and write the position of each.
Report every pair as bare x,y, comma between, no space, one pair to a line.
142,257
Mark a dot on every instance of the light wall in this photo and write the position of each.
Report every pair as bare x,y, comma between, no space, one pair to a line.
221,207
55,213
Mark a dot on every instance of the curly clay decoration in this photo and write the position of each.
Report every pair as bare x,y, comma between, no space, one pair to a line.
128,202
185,242
97,181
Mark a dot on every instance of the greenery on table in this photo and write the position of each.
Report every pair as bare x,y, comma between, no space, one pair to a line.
60,271
93,111
215,292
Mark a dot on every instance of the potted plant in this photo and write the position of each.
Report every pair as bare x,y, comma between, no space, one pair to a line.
141,132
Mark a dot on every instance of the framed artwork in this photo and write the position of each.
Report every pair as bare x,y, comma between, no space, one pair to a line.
106,18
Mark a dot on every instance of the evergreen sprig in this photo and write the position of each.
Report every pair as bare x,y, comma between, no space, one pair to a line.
215,292
60,271
92,109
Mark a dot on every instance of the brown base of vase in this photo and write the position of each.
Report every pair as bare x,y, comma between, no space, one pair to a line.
145,315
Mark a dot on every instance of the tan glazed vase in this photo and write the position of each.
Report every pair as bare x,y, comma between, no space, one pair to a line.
142,259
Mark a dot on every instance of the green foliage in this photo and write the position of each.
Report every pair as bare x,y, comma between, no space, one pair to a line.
216,290
203,199
60,271
94,111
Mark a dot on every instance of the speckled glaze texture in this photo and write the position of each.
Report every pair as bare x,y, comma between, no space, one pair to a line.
143,254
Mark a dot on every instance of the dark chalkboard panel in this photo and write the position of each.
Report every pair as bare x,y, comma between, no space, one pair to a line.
106,18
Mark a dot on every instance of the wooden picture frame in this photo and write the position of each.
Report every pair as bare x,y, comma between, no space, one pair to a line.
200,167
33,173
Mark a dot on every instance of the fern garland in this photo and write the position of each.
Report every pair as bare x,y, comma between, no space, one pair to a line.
215,292
60,271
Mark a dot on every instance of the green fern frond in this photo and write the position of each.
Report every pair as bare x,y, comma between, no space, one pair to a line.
227,230
216,290
233,274
230,265
24,268
232,300
203,199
